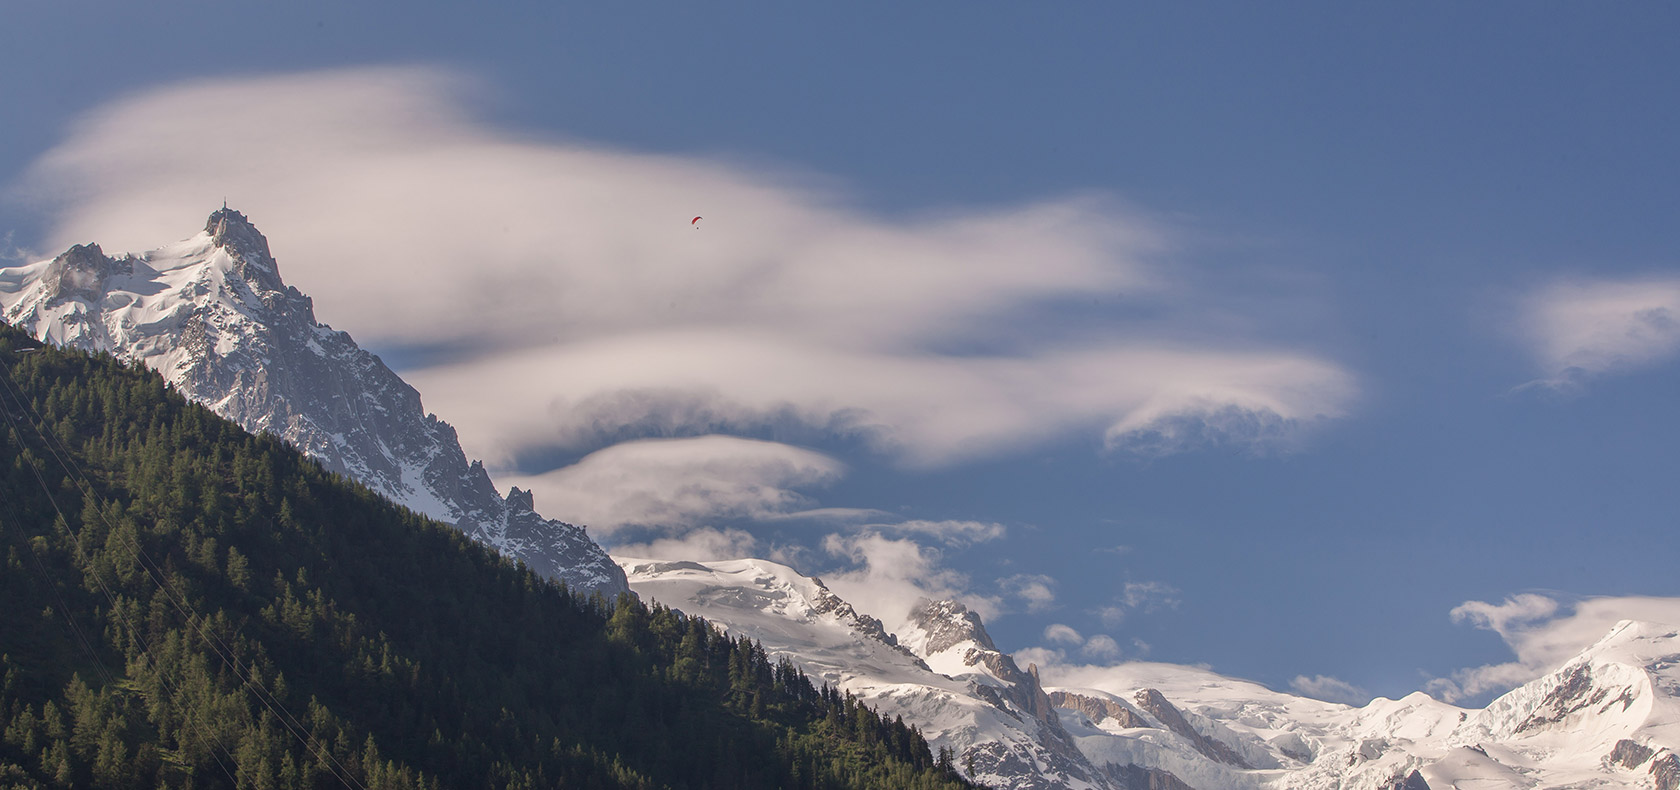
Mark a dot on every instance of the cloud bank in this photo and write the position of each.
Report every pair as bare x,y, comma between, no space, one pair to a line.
582,309
1581,329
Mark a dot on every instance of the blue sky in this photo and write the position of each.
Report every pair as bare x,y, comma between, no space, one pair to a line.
1265,336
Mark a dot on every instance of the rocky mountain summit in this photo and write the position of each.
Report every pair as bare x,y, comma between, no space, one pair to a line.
212,315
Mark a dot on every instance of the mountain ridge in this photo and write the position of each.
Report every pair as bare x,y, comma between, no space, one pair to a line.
212,315
1608,718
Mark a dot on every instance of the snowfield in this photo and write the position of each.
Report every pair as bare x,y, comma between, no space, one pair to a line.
1606,719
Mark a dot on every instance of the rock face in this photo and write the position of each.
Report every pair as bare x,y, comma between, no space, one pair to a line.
1100,710
1157,705
212,315
953,641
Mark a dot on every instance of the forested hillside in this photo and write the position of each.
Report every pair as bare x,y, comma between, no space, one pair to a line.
187,605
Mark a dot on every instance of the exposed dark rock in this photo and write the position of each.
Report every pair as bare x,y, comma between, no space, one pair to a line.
1098,710
1629,754
1665,772
1576,692
949,623
1137,777
80,273
1157,705
1411,781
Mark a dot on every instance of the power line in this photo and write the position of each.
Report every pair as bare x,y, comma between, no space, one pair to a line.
154,572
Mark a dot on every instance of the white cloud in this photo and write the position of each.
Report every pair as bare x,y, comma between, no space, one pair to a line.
1145,596
1035,590
676,484
1149,596
886,576
1101,648
595,313
951,532
701,545
1540,637
1578,329
1041,657
1063,634
1329,689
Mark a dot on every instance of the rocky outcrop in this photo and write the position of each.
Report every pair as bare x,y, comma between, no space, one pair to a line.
1137,777
1665,772
1173,719
1629,754
1411,781
80,273
1098,710
945,626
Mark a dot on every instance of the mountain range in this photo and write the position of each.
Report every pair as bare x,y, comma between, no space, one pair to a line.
1609,717
212,316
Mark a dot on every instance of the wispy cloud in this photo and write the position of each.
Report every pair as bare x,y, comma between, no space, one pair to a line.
673,485
1145,596
1329,689
885,576
950,532
1579,329
699,545
1036,590
596,314
1541,637
1100,648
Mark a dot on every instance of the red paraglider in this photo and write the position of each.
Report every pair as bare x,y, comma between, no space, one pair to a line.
695,222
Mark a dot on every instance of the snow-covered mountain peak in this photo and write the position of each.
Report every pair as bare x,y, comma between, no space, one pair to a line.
935,627
995,716
212,316
758,587
1622,687
229,228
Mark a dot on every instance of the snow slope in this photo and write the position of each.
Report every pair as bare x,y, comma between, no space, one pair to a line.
1606,719
211,314
993,715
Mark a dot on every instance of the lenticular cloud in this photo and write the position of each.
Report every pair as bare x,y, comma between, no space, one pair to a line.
584,309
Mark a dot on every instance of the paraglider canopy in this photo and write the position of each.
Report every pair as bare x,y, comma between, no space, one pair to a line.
695,222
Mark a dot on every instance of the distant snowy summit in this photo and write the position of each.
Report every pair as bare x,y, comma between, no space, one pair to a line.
1609,718
211,314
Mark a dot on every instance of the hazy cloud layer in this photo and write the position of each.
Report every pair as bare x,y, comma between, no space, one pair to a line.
1540,637
700,545
1329,689
677,484
1579,329
594,313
